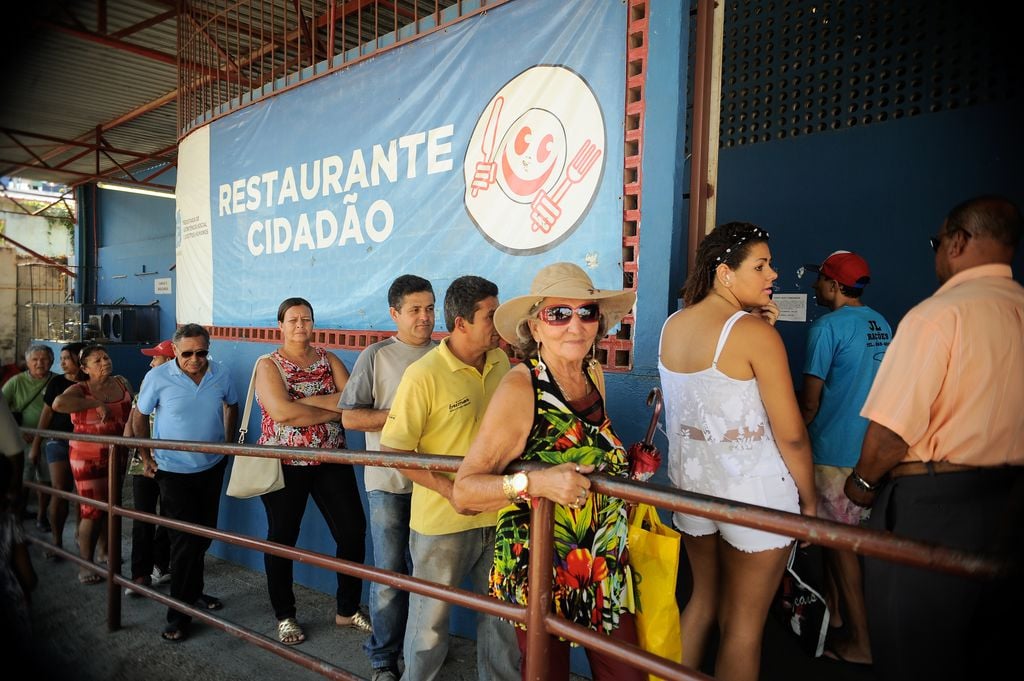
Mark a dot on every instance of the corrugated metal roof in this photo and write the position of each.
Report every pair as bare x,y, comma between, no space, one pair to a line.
70,77
106,72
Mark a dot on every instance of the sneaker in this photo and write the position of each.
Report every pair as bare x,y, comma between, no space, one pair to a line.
160,576
385,674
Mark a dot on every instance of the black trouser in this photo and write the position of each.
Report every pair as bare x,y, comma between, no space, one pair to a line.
193,498
150,544
931,625
333,488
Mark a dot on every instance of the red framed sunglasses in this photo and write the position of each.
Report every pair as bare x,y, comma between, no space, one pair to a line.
560,315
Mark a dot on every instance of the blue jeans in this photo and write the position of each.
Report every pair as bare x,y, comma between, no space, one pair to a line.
449,559
389,607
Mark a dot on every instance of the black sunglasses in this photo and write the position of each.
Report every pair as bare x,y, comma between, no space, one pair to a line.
198,353
936,241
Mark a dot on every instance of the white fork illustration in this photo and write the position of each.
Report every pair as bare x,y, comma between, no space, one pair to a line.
582,162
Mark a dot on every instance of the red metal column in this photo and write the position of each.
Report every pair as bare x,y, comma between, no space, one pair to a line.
541,548
113,540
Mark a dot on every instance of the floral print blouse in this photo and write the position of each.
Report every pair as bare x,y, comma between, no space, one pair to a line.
590,557
316,379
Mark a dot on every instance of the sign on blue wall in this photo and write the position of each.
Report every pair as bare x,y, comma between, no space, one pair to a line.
492,147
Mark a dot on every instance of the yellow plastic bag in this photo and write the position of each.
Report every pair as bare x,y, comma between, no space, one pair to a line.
654,561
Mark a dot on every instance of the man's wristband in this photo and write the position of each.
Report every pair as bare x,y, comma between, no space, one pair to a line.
862,483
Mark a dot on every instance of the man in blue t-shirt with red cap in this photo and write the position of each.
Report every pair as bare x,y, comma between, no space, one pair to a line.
844,350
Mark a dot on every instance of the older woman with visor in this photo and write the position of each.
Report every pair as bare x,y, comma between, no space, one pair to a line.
551,408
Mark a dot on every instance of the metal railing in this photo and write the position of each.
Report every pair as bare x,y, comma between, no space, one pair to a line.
537,616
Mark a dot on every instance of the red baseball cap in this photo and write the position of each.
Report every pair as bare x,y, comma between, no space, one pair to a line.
164,349
849,269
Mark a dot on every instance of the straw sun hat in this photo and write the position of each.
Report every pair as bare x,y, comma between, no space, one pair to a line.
561,280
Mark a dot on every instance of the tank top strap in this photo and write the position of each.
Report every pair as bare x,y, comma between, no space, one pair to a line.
661,337
724,336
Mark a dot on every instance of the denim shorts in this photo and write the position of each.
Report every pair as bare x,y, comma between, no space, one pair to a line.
776,490
56,451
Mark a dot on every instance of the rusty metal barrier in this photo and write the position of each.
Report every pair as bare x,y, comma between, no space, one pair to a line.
537,616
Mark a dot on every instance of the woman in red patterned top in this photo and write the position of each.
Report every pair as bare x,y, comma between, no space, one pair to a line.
297,387
98,406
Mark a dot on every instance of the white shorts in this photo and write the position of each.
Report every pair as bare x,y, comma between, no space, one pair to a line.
776,490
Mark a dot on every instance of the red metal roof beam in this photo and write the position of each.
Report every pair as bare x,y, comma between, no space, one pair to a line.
122,45
114,43
42,257
213,43
84,177
142,25
93,146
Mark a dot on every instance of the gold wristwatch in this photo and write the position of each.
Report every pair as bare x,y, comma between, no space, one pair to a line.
514,486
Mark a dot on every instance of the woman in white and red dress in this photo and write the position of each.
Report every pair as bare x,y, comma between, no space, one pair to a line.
98,406
297,388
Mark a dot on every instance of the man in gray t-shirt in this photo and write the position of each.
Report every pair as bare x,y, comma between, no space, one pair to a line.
366,399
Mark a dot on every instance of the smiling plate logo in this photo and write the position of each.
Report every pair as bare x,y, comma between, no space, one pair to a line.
535,160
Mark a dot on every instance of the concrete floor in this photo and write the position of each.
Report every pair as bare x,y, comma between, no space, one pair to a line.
72,643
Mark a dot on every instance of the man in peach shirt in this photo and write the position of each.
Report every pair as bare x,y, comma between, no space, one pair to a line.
943,456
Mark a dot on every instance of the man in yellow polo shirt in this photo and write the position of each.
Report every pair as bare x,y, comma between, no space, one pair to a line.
438,408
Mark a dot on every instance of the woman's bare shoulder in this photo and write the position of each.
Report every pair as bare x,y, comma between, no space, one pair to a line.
518,377
754,332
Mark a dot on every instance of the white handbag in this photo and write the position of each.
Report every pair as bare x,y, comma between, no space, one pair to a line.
252,476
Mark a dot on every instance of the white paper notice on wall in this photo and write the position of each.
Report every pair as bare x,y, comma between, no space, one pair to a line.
162,286
792,306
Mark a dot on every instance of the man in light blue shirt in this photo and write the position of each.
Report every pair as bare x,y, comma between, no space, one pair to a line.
197,402
844,350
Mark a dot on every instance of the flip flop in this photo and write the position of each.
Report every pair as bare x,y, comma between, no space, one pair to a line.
89,579
209,602
174,633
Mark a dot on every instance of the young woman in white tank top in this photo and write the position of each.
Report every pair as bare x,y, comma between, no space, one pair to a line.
735,431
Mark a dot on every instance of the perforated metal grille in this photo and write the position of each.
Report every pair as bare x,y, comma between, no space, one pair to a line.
793,68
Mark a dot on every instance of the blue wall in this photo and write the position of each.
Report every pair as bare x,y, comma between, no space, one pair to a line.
662,228
137,238
880,190
133,237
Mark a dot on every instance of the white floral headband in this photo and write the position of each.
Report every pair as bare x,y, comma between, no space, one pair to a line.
758,234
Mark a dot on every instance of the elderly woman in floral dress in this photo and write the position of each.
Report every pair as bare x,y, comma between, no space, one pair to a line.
551,408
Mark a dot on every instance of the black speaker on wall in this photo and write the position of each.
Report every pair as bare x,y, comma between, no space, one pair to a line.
117,324
127,323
